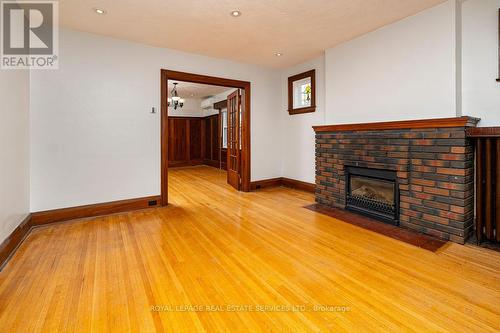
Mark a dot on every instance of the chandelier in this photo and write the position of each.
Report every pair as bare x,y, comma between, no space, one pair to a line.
175,101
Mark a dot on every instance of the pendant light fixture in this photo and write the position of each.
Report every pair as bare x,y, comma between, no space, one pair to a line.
175,101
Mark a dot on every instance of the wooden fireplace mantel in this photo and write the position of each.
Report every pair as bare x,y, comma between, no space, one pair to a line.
465,121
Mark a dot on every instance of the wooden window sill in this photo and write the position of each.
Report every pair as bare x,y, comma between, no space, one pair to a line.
302,110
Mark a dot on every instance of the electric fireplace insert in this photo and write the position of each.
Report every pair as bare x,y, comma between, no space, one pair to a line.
373,192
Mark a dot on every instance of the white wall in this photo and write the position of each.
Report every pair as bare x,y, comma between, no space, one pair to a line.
93,136
14,148
298,136
481,92
191,108
405,70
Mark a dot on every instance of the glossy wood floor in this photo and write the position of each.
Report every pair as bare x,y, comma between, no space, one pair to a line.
241,253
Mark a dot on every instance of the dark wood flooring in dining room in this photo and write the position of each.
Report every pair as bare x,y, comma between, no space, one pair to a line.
158,269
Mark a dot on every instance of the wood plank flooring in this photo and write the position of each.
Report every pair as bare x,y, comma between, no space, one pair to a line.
215,259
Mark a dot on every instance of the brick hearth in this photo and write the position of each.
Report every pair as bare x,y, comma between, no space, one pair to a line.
433,159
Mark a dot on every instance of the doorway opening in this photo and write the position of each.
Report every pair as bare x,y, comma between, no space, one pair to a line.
219,136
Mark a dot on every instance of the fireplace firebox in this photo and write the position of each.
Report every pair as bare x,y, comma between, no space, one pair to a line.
373,192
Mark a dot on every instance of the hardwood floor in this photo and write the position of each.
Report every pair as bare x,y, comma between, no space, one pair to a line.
213,246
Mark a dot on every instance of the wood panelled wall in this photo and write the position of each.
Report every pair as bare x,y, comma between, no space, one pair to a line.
194,141
212,145
487,182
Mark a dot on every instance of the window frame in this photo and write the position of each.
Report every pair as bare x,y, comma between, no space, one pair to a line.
223,129
498,79
312,108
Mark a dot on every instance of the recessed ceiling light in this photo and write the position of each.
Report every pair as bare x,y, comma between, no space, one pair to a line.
278,54
235,13
99,11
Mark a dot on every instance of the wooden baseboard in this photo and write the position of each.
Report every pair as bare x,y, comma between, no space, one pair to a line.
273,182
283,181
215,164
10,245
65,214
212,163
298,184
174,164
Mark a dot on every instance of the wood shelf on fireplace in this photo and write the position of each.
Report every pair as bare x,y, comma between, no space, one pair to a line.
465,121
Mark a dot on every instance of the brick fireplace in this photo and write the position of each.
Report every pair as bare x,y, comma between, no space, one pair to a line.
433,166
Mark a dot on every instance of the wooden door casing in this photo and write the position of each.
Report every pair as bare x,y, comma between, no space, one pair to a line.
233,139
165,76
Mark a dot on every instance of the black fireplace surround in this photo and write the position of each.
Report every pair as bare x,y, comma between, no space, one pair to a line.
373,192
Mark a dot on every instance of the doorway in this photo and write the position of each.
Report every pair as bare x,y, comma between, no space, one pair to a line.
238,128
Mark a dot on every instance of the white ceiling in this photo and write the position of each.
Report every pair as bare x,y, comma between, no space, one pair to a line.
299,29
195,90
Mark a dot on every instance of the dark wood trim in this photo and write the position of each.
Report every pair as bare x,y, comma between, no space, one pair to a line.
408,236
223,151
223,154
186,164
188,140
186,117
405,124
220,105
164,138
203,139
483,132
298,184
273,182
191,117
166,75
215,164
498,79
246,149
211,116
291,79
204,79
283,181
14,240
65,214
302,110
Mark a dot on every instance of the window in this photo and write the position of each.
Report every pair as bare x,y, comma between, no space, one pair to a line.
224,128
302,93
498,79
